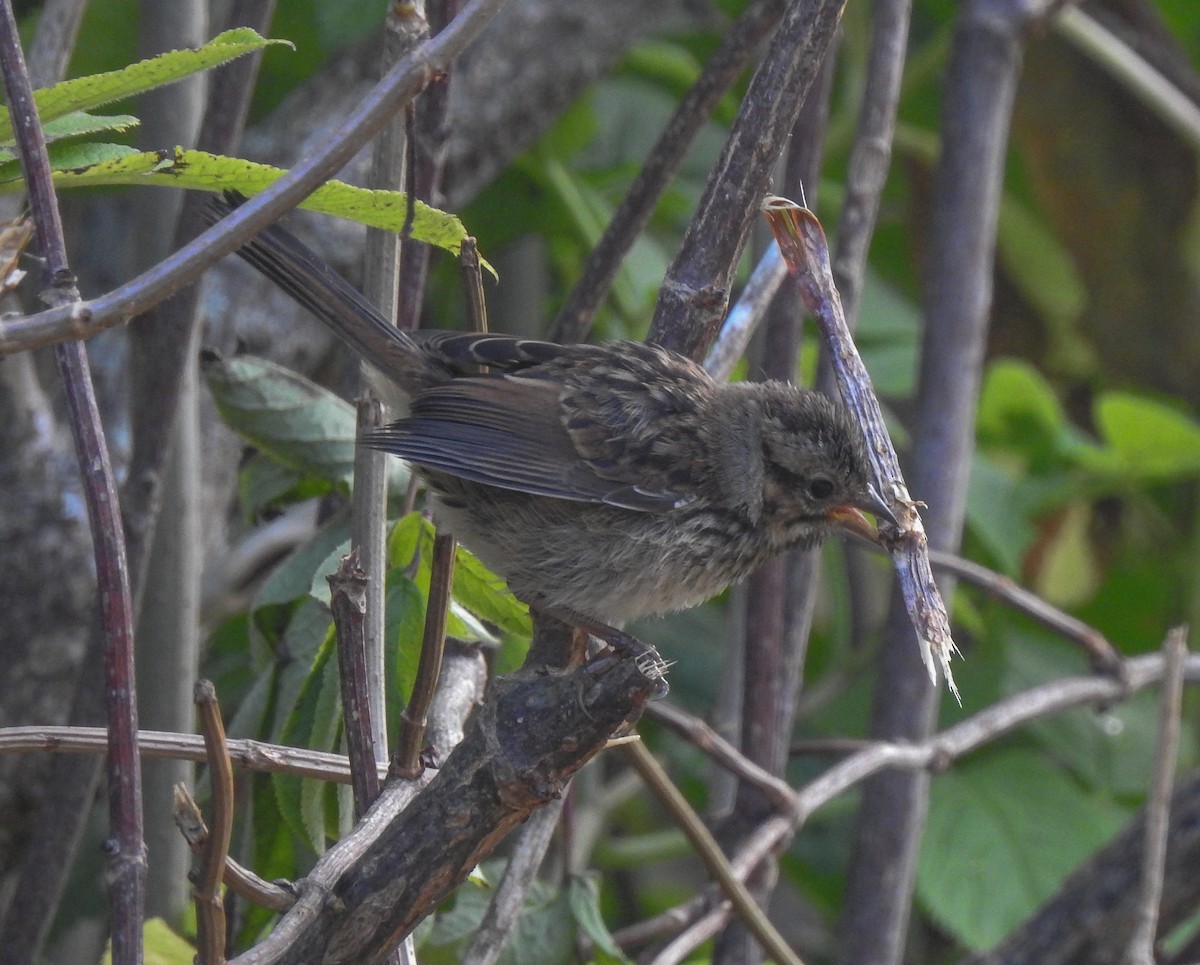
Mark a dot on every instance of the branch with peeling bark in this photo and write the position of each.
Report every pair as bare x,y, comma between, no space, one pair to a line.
804,248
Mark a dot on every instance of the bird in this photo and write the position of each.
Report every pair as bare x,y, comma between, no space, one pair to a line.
602,482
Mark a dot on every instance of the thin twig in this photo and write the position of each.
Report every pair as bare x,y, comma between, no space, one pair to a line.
726,64
1103,655
939,751
252,755
84,319
125,849
407,760
504,909
696,934
242,881
698,733
695,292
706,847
1135,74
348,601
368,542
870,158
471,274
210,909
1158,803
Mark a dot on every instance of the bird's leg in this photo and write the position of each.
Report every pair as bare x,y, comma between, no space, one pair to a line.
625,645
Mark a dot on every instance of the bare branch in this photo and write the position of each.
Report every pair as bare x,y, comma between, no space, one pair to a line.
723,68
1154,853
85,319
695,293
210,909
706,847
267,894
125,849
348,601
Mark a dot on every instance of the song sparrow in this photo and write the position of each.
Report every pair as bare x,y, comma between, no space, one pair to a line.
610,481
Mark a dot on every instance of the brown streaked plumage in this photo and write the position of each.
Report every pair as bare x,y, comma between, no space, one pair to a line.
612,481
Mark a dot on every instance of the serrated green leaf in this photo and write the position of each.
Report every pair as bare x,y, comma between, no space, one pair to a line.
293,420
1003,832
487,596
83,93
293,577
76,124
69,155
199,170
475,593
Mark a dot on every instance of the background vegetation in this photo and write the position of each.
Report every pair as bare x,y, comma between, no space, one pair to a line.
1082,482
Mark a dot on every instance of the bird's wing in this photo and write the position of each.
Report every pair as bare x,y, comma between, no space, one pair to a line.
508,431
465,352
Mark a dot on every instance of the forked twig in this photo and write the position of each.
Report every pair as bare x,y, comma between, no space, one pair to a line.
242,881
210,909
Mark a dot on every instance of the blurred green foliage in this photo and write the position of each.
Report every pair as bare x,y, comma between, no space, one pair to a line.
1083,488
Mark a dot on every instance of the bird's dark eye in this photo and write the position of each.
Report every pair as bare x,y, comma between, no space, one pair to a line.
820,488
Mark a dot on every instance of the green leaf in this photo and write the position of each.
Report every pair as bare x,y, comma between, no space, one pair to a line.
888,328
410,549
293,420
161,946
1146,440
264,483
483,593
319,589
77,124
293,578
545,932
996,514
1109,750
180,168
312,723
1040,265
667,64
446,941
404,629
1003,832
83,93
1017,405
583,895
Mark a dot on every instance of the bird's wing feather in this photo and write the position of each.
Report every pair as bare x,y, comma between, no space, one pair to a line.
480,429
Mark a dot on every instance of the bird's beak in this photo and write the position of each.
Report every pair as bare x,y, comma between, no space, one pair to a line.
876,505
849,516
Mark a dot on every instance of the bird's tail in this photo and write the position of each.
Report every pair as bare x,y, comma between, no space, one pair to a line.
313,282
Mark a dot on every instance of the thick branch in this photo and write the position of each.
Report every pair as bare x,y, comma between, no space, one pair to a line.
534,730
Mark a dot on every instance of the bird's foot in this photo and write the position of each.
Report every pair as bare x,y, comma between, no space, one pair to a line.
624,645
